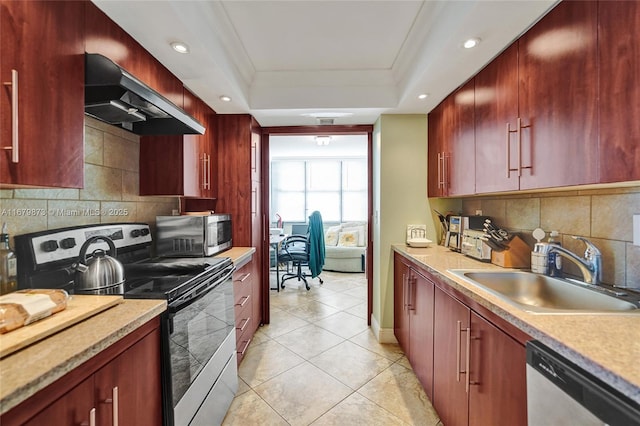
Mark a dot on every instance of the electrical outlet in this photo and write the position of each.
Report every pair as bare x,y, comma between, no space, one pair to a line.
478,212
636,229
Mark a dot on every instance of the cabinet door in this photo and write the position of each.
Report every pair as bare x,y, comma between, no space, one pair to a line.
71,409
619,63
130,387
462,157
43,42
436,151
450,398
421,334
496,107
558,97
400,309
498,391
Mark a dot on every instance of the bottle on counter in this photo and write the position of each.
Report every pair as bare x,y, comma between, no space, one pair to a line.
8,264
539,255
554,263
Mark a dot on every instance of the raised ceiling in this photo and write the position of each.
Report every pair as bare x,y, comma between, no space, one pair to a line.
279,60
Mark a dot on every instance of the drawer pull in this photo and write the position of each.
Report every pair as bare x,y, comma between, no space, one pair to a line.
244,301
246,346
14,117
244,324
244,277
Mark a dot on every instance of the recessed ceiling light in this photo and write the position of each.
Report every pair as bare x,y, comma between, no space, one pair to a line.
471,43
225,98
423,96
180,47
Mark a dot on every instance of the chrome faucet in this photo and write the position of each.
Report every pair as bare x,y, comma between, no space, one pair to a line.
590,265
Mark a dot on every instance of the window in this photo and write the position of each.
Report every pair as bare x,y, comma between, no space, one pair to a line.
336,188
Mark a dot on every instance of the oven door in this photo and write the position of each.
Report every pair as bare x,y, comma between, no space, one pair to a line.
200,358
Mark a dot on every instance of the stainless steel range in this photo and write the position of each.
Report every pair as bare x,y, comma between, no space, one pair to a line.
199,367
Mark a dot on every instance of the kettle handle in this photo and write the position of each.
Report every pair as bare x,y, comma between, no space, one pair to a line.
85,246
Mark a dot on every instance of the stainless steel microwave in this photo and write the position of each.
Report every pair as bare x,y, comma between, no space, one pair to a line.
193,236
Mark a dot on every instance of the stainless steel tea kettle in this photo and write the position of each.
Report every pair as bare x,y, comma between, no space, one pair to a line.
101,272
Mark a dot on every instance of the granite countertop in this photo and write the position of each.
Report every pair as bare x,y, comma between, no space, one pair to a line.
239,255
606,345
31,369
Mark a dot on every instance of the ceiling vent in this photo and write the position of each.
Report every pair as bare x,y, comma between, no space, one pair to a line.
325,121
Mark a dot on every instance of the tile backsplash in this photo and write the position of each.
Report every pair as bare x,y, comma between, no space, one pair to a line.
110,193
604,216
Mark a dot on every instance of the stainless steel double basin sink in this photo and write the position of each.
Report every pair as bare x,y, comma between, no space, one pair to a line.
540,294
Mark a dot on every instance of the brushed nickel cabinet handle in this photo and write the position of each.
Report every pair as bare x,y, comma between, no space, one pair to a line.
244,277
92,418
208,170
468,363
439,172
520,166
404,291
246,346
244,301
15,143
458,339
114,401
244,324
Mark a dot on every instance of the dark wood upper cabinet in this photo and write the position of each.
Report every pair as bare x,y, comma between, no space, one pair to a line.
496,107
619,62
181,165
435,151
558,98
43,49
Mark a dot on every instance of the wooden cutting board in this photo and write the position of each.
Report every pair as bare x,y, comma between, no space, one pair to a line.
79,307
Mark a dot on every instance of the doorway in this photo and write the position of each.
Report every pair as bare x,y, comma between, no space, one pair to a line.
295,158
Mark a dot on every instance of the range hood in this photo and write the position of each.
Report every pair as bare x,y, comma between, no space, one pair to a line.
114,96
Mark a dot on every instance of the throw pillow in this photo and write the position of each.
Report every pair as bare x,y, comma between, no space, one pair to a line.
348,239
330,238
360,230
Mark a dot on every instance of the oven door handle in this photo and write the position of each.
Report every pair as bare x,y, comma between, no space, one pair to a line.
197,293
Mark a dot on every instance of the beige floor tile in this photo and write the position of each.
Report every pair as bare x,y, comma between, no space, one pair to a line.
351,364
343,324
404,361
302,394
250,409
282,322
242,387
360,310
367,340
338,284
339,300
266,360
312,311
357,410
309,341
360,292
398,391
260,336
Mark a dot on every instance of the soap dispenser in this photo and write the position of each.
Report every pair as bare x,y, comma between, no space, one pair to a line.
539,255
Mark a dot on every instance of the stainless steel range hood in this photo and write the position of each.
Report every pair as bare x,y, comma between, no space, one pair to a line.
113,95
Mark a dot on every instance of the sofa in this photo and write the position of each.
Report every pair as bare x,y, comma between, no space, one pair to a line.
345,247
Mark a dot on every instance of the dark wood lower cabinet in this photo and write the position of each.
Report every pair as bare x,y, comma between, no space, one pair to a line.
471,364
127,372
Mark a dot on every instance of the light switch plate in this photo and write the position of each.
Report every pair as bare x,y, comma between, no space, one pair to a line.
636,229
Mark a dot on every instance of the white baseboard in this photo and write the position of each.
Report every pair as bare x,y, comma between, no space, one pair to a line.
383,335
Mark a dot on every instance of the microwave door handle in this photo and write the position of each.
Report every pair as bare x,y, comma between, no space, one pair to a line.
198,293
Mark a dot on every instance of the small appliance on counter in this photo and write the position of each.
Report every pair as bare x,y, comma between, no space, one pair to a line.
457,225
474,245
193,236
417,236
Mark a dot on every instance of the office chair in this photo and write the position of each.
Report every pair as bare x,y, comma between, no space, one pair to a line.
303,250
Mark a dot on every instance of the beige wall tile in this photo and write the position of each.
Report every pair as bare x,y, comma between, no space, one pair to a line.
147,212
633,266
131,186
101,183
121,153
568,215
496,209
613,259
112,212
470,205
64,213
93,145
108,128
23,216
48,194
523,213
612,215
6,193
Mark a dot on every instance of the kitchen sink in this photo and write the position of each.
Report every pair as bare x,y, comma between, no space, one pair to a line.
546,295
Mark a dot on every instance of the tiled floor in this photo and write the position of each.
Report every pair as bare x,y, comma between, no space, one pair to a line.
318,363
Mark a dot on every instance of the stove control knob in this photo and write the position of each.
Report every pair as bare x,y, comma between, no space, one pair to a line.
49,246
135,233
68,243
144,231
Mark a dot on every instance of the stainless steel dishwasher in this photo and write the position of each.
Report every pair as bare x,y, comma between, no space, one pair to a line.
561,393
